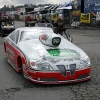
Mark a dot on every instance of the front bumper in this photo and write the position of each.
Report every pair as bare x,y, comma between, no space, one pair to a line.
7,31
56,77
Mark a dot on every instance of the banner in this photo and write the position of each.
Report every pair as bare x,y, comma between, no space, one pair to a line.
37,16
54,17
85,18
98,16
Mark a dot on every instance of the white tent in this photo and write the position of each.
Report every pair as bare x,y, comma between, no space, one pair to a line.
65,6
69,7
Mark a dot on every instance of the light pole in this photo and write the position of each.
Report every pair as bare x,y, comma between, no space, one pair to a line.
28,3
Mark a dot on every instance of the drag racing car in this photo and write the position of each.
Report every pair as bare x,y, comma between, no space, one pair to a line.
7,27
45,57
44,25
29,23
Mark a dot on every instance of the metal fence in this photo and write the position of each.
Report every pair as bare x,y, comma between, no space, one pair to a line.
76,23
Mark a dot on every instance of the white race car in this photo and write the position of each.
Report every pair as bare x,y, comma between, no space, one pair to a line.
45,57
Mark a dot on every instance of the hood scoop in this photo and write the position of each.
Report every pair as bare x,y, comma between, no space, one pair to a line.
51,40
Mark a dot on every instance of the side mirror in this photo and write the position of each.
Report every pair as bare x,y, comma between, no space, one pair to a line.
71,39
2,23
68,36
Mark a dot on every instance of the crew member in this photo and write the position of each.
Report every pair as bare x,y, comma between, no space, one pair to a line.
44,20
59,27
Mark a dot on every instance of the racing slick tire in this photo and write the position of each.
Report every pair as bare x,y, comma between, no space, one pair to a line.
2,34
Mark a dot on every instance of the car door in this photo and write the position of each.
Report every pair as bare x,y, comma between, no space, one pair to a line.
11,47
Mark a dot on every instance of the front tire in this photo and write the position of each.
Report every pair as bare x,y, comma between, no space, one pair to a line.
2,34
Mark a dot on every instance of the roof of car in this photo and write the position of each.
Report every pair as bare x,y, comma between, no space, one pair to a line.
38,29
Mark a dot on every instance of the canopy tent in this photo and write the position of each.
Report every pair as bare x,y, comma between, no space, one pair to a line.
55,7
45,9
65,6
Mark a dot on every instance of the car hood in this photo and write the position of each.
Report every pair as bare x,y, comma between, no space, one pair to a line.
37,50
64,54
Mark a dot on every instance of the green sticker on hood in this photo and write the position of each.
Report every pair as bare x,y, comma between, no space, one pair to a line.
62,53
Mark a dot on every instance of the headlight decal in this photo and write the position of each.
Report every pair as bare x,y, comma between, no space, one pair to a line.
44,66
39,65
85,62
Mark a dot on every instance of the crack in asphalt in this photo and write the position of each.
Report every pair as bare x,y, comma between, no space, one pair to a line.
13,89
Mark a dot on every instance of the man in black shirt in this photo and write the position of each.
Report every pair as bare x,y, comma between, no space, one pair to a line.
44,20
35,22
59,27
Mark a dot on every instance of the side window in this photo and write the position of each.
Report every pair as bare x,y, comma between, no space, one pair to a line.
21,36
12,35
17,36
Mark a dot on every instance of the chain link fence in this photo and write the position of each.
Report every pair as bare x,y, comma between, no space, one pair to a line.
73,22
76,23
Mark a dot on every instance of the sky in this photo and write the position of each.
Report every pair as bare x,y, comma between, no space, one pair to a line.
21,2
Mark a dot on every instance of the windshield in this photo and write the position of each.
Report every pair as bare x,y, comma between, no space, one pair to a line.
29,35
8,23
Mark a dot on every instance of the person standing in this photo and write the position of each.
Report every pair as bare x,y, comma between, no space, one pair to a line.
35,22
26,20
44,20
59,27
0,22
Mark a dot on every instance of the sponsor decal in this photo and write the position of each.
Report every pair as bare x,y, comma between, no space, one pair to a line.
8,26
54,17
54,55
97,4
98,16
56,41
69,55
54,60
44,37
85,18
62,52
11,53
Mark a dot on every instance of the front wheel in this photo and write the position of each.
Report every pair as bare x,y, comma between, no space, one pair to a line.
2,33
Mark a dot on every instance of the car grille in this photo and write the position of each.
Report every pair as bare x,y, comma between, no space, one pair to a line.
62,69
72,69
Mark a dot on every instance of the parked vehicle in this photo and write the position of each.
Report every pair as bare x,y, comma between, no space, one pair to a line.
7,28
44,25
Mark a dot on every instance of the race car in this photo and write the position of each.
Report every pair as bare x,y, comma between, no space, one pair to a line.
44,25
44,57
29,23
7,27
